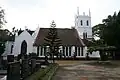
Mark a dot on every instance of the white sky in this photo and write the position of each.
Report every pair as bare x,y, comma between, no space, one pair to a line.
30,13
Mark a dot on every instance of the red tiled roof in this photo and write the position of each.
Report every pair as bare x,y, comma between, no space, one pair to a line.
69,37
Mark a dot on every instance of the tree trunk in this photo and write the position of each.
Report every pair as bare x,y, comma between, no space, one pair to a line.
103,56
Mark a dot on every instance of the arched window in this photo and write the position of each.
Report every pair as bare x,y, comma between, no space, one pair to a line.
11,49
87,23
81,22
84,35
24,47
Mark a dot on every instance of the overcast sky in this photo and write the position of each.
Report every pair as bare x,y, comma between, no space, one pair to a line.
31,13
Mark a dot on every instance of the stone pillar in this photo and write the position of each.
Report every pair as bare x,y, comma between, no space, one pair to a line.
33,65
43,51
68,51
65,50
72,51
39,50
13,71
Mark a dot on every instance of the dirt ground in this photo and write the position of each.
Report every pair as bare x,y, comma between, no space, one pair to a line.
84,70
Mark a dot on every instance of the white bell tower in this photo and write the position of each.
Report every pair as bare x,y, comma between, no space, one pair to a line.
83,24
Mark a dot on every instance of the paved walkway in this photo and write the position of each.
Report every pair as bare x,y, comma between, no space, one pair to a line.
3,78
82,71
3,73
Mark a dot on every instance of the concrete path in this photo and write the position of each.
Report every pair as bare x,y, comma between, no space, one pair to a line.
82,71
3,72
3,78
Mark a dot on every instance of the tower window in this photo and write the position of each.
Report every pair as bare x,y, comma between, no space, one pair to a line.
87,23
81,22
85,35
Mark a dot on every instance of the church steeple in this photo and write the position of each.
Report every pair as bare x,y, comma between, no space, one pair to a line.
77,11
83,24
89,13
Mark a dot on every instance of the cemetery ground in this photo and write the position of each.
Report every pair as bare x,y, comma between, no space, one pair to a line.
87,70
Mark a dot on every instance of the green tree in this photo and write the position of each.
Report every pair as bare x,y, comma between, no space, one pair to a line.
5,35
112,30
2,17
52,40
2,48
109,33
109,30
102,51
97,30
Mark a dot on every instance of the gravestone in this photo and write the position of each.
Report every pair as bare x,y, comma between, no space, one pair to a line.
25,68
13,71
10,58
33,65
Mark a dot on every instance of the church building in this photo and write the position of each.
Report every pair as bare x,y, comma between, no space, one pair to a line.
83,25
74,40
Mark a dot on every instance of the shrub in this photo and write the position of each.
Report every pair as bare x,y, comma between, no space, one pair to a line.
43,74
32,55
51,72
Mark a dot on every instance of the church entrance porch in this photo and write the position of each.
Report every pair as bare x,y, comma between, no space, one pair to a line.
23,48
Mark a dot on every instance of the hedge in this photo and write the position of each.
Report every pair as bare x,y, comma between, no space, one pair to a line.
49,75
44,74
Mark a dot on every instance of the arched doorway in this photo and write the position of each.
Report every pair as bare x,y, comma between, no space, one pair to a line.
24,47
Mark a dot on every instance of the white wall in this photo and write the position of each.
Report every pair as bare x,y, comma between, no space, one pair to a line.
18,41
72,50
34,35
94,54
34,49
84,18
83,28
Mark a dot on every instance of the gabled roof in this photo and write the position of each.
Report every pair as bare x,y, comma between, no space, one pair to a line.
69,37
29,31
